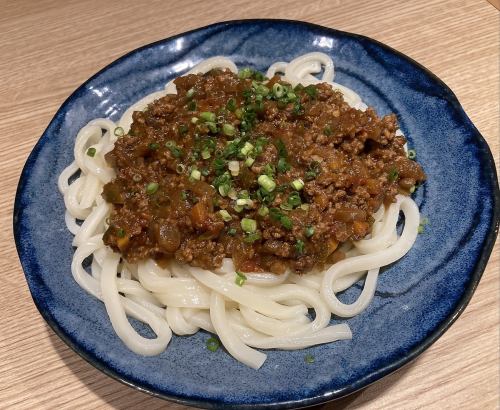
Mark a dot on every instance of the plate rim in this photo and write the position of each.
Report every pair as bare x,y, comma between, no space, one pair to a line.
359,384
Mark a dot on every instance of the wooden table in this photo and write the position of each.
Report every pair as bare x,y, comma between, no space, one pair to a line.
48,48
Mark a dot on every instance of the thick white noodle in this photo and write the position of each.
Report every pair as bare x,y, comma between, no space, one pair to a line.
269,311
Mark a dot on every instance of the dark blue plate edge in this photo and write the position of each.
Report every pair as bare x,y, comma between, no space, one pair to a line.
331,395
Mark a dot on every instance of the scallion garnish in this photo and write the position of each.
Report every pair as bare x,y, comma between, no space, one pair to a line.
231,104
195,174
309,358
311,91
266,182
248,225
119,132
283,165
278,90
231,231
190,93
327,130
247,148
151,188
393,175
208,116
226,216
277,215
299,247
212,126
120,233
309,231
252,237
298,184
176,151
249,161
228,130
191,106
183,129
91,151
240,278
213,344
412,154
263,210
153,146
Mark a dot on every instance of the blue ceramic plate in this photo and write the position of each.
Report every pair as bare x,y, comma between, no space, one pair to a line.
417,298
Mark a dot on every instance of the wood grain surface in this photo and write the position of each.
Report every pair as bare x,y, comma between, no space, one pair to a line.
48,48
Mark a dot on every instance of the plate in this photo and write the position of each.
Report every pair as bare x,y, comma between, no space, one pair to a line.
417,298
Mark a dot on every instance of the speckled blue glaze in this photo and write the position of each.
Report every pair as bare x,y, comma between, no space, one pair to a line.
417,298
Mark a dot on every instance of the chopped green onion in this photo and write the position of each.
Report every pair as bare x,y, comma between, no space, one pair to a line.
291,96
247,148
207,116
190,93
120,233
327,130
267,183
286,222
194,120
239,113
180,168
262,90
191,105
245,73
176,151
252,237
234,167
278,90
421,229
393,175
304,207
119,132
225,215
294,199
249,161
232,193
238,208
311,91
151,188
231,104
269,170
309,231
154,146
91,151
212,126
299,247
240,278
231,231
286,206
313,171
205,154
248,225
195,174
213,344
244,202
263,210
228,130
283,166
298,184
309,358
183,129
224,189
412,154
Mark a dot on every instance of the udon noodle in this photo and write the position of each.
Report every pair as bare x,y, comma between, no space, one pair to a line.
269,311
